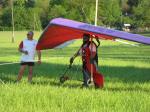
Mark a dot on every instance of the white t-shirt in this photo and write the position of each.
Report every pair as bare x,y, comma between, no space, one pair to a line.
30,47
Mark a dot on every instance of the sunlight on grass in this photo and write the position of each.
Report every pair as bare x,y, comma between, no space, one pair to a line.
125,68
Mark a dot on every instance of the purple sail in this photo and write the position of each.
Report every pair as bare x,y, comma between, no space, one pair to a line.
100,30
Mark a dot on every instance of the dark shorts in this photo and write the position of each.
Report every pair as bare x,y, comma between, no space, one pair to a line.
27,63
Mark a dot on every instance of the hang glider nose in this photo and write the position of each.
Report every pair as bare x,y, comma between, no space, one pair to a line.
60,30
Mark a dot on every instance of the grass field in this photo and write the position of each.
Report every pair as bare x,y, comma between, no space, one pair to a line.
126,70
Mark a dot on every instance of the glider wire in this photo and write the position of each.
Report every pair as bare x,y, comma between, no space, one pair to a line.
10,63
117,40
4,83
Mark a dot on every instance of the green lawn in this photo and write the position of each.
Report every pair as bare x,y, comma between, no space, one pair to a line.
126,70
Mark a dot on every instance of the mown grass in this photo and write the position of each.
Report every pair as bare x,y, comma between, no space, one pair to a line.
126,70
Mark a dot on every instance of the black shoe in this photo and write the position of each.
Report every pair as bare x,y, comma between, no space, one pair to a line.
85,86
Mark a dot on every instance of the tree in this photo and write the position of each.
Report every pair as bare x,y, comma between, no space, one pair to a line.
132,4
30,3
57,11
141,14
6,19
80,10
26,16
42,8
110,12
34,14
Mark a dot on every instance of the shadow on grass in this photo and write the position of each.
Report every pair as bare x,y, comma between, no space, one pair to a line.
56,83
127,74
49,74
78,85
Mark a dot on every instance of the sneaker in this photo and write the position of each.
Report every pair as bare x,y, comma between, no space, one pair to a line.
84,86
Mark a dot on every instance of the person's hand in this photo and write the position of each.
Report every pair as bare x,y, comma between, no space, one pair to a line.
97,41
25,52
39,62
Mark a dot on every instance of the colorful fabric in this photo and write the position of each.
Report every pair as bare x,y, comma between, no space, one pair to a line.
61,30
91,67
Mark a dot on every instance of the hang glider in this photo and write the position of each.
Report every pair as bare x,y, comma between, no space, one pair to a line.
61,30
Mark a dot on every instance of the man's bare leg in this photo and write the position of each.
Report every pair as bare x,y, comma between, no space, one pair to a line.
21,71
30,74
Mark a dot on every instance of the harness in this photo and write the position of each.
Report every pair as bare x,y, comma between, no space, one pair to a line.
86,54
96,56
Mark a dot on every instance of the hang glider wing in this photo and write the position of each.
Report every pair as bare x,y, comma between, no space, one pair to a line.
61,30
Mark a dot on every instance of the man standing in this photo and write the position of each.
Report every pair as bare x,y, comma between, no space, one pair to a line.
88,51
28,49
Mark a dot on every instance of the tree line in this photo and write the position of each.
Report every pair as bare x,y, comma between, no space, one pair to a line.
36,14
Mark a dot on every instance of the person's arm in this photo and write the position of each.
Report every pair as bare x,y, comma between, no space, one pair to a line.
97,41
20,49
74,56
39,56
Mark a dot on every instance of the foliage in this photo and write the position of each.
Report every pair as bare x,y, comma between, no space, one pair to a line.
142,14
133,2
111,12
36,14
57,11
6,18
